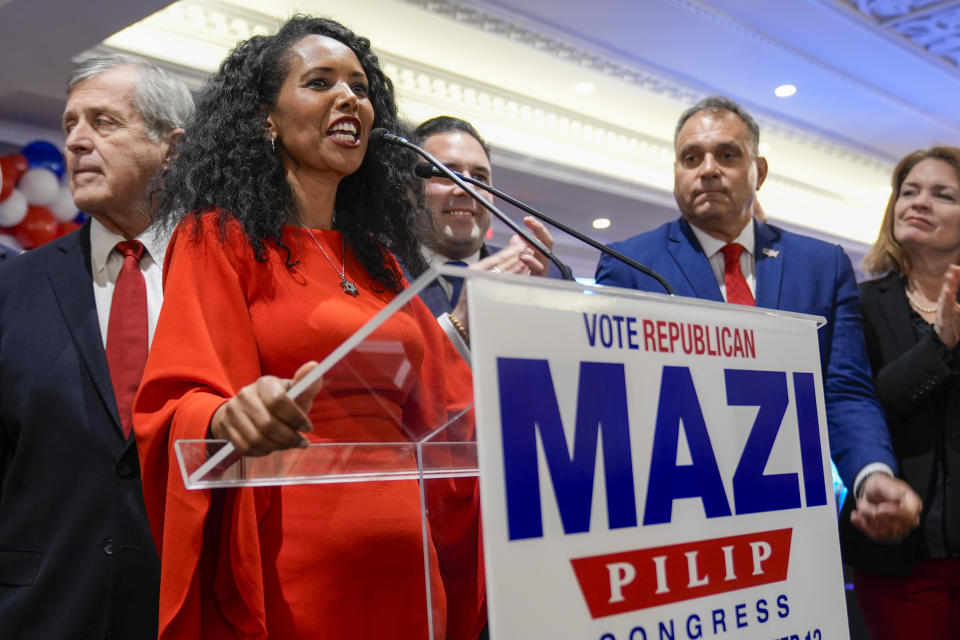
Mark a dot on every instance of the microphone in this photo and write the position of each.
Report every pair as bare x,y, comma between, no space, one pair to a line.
381,135
424,170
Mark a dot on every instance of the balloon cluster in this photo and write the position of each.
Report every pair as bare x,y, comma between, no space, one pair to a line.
35,206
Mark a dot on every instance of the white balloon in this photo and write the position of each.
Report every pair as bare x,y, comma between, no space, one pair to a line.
63,207
13,209
10,243
39,186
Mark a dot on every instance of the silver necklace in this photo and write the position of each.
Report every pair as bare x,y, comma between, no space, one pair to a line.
348,287
916,305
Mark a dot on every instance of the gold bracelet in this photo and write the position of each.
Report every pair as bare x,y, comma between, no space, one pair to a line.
462,330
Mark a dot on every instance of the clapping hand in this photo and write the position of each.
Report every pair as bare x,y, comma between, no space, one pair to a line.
947,322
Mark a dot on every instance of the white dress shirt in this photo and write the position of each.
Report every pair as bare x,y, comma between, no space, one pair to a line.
748,262
105,266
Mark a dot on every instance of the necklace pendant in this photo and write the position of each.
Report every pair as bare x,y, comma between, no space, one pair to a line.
348,287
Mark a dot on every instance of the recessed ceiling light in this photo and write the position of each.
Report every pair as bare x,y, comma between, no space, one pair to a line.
785,90
584,88
601,223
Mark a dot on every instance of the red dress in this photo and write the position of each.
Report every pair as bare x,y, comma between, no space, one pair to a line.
303,561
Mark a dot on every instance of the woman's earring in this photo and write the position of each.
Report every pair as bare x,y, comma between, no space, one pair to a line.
273,144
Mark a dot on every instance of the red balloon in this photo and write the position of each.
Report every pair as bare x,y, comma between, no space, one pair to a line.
13,166
67,227
38,228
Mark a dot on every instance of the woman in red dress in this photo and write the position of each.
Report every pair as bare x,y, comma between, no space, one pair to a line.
286,231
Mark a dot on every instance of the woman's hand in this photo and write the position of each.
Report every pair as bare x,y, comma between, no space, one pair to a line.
261,418
947,322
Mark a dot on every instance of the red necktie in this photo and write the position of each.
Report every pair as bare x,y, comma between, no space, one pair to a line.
738,291
127,332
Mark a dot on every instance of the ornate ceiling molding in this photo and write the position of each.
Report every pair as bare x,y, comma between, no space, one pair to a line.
511,122
813,177
886,10
213,21
932,26
557,47
220,25
807,136
580,54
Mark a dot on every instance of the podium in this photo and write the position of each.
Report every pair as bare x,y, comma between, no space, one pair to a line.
647,466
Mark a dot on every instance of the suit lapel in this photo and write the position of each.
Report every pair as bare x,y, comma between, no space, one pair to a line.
769,266
434,296
691,261
896,313
72,285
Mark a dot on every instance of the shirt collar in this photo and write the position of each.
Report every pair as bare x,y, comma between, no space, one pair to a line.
712,245
435,259
102,242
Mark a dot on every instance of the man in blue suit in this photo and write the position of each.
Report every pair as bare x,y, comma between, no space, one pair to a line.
77,561
461,222
717,250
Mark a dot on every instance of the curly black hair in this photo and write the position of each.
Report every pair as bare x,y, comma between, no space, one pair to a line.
225,161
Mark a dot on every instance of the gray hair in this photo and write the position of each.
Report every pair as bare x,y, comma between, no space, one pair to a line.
162,100
716,105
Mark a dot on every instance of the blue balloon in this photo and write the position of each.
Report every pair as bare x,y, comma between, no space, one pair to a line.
43,154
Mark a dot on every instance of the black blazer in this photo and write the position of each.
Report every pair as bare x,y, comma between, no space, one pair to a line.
908,375
76,556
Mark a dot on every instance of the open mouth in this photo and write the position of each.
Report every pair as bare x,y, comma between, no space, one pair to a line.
345,132
459,212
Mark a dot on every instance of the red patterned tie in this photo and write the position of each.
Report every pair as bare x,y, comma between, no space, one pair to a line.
738,291
127,331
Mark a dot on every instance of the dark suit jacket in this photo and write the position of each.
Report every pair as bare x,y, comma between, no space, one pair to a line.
76,557
921,395
436,298
793,273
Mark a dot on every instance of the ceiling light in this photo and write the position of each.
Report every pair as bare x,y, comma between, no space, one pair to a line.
601,223
584,88
785,90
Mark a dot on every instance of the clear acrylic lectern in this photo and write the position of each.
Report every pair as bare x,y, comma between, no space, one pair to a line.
438,450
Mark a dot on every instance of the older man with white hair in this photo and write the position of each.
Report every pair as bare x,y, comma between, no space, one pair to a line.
76,317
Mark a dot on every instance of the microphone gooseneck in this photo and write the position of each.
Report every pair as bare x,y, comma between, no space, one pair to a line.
424,170
380,135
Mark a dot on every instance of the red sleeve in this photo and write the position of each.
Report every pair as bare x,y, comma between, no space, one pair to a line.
203,352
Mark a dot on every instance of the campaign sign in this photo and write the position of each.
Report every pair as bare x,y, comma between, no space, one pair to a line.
651,468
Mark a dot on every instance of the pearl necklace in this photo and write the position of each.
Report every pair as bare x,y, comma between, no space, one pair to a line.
916,305
348,287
